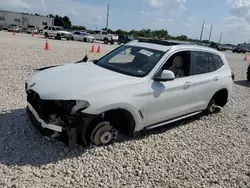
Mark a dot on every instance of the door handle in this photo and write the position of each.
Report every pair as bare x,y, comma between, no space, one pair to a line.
216,78
187,85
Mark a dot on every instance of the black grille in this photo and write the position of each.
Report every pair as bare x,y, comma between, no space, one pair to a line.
45,108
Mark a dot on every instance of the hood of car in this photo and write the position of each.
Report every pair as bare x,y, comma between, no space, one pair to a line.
65,32
88,36
76,81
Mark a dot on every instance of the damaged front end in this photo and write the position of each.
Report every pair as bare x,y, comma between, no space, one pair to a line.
57,118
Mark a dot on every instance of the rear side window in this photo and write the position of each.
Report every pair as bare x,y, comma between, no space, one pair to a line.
211,63
201,63
217,61
77,33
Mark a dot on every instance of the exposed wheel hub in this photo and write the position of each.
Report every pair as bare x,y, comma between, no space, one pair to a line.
104,133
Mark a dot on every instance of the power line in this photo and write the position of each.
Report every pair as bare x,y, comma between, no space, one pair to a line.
220,37
107,22
202,30
210,32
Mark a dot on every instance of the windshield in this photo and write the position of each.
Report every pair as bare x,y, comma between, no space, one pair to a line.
131,60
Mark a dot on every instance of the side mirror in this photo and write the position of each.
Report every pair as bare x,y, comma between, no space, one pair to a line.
166,75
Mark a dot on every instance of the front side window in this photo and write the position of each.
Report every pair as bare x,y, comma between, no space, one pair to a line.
131,60
104,33
179,64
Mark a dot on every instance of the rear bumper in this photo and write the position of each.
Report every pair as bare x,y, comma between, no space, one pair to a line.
41,123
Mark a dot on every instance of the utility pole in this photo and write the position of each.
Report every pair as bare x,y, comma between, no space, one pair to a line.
210,33
220,37
202,30
107,22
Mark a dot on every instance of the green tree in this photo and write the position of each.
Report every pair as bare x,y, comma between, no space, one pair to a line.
66,22
78,27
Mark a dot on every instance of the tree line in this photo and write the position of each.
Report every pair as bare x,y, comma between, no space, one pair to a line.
65,22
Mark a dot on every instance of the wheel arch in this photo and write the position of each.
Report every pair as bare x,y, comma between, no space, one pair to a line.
221,97
122,110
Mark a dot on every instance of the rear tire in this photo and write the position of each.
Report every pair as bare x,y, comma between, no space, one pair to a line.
84,40
58,37
211,107
106,41
46,35
248,77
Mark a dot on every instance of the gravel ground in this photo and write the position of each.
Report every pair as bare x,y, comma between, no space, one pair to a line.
209,151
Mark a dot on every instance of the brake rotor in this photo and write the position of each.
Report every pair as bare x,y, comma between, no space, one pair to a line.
103,134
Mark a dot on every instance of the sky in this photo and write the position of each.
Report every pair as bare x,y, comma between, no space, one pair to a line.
229,17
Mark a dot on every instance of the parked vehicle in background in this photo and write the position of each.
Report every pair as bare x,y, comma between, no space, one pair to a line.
14,28
124,39
32,29
103,35
57,32
140,85
1,28
221,48
248,72
82,36
239,50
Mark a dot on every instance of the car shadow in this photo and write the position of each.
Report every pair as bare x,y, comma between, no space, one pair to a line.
22,144
243,83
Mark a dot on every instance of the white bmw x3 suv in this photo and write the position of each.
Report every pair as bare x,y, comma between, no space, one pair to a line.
140,85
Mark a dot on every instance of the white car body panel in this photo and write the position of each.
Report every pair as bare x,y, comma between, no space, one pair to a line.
168,100
81,37
149,102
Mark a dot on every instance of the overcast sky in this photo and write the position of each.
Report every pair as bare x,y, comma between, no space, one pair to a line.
232,17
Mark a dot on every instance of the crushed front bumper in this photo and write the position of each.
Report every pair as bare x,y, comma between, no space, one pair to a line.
41,122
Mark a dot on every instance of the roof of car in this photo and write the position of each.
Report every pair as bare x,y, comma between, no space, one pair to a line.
165,45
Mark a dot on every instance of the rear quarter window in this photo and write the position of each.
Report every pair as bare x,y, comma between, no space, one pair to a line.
217,61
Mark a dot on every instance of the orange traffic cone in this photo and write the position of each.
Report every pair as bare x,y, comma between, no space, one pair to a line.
46,45
99,48
245,58
93,47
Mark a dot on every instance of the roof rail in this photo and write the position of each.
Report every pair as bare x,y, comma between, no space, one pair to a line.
161,42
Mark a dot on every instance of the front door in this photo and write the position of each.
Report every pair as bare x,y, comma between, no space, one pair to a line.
171,99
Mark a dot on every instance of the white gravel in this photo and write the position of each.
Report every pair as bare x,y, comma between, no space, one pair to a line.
209,151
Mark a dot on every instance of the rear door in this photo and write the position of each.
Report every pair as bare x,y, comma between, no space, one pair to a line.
207,79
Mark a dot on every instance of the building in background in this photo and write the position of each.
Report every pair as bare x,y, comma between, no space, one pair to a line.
24,20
